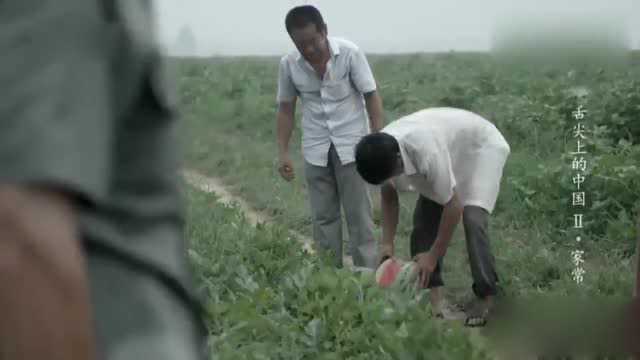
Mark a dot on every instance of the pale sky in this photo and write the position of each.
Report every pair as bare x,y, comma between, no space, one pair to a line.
256,27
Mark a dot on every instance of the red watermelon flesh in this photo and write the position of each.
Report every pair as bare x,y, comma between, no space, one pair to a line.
390,269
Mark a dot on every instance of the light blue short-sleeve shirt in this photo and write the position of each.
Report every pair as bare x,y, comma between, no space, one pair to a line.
333,108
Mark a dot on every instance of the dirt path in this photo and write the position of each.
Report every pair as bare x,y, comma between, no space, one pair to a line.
213,185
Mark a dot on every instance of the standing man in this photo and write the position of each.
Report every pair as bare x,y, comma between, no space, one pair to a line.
92,252
340,105
454,159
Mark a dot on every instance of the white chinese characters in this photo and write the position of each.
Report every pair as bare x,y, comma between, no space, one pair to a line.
579,196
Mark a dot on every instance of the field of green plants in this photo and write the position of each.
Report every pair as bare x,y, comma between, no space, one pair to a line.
267,300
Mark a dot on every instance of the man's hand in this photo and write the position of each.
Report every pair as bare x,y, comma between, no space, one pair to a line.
285,168
426,263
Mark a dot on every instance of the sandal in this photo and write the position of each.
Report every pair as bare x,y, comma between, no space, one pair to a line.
477,315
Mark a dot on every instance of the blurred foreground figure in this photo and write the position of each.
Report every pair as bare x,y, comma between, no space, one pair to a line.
636,291
92,256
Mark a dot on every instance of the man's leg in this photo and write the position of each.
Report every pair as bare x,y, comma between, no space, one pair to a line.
356,201
325,209
485,278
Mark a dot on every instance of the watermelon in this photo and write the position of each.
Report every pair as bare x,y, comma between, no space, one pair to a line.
397,274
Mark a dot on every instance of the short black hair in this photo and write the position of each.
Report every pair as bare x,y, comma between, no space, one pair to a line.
301,16
377,157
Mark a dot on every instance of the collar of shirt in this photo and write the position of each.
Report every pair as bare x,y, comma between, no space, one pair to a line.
407,163
403,182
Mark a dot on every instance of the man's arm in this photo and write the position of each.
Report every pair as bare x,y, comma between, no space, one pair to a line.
390,213
373,102
45,304
285,118
427,261
286,121
451,215
362,77
286,97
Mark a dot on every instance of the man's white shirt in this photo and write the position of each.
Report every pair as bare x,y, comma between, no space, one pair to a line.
446,150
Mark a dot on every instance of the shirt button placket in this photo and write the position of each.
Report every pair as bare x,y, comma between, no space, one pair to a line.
323,96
